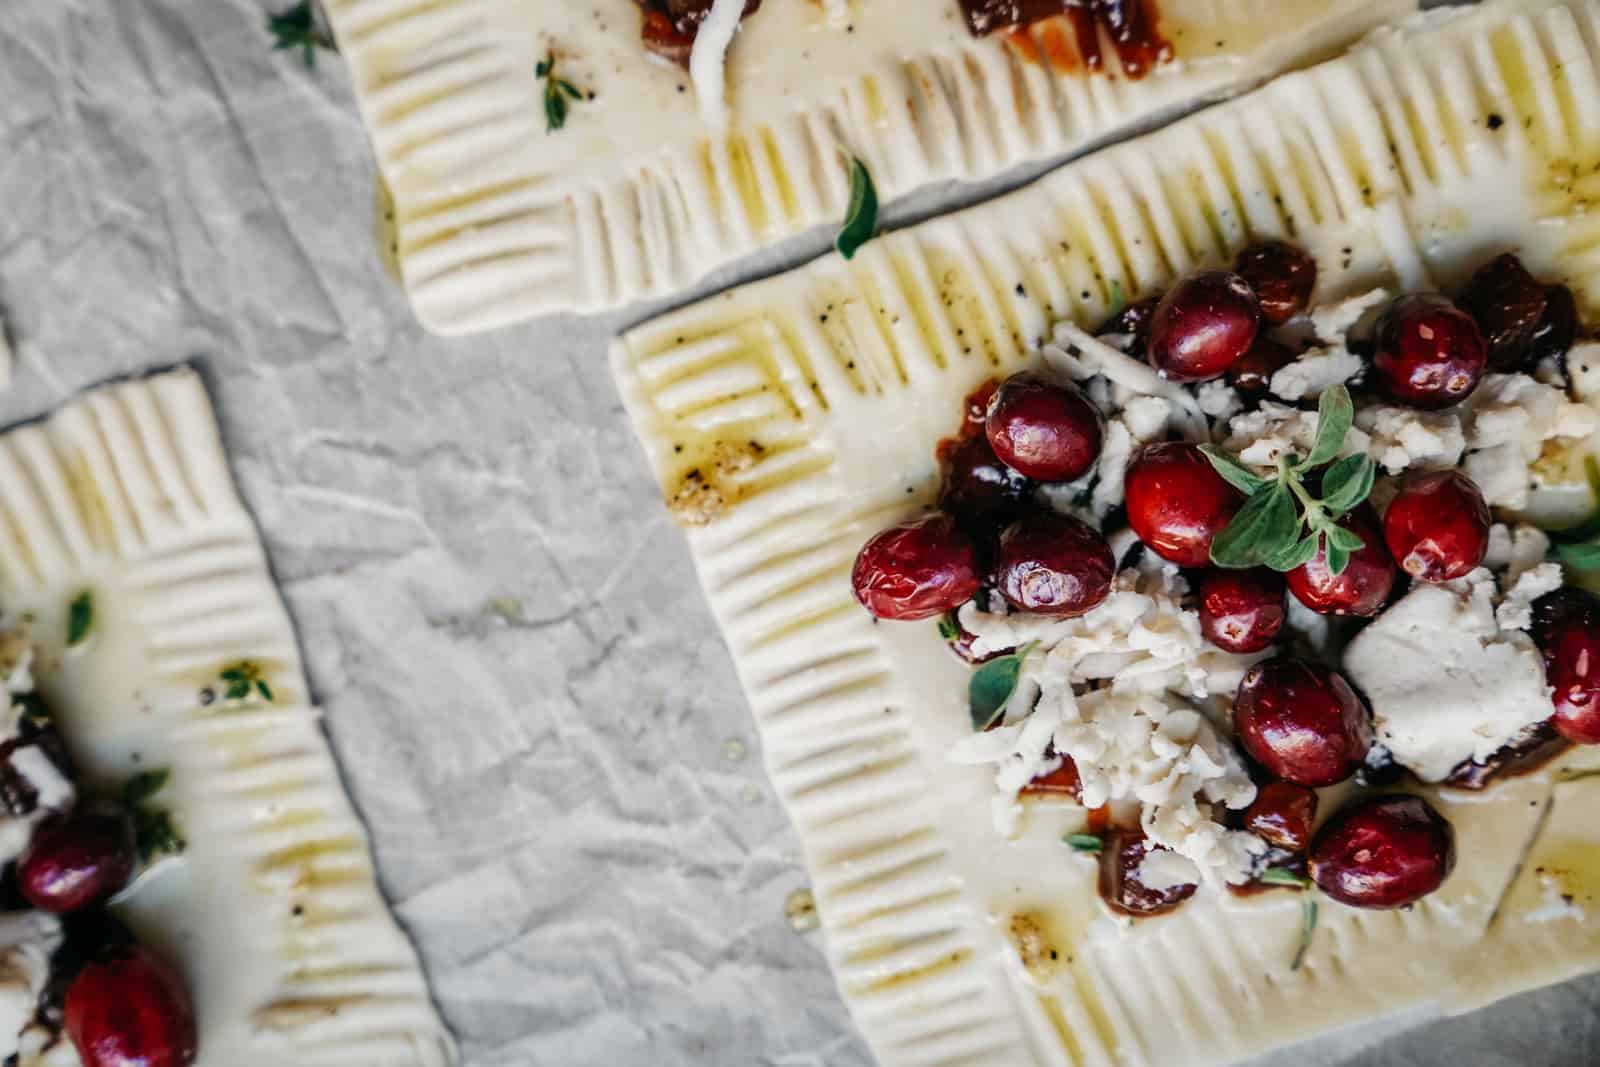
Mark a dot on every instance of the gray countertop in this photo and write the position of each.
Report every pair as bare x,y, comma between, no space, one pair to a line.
528,697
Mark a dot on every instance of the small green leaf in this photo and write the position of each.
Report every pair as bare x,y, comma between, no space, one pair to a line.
1233,472
570,89
296,27
542,69
1340,537
1090,843
861,220
1265,526
234,674
1308,927
265,690
1337,559
1296,555
1284,876
155,833
992,685
80,618
1580,557
1117,302
238,690
557,91
1335,414
1347,483
141,787
949,629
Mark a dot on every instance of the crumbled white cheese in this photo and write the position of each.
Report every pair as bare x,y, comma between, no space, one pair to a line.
1332,323
1510,418
1259,437
1514,549
1406,438
1316,628
55,791
1162,869
1555,902
1516,605
1583,368
708,62
1219,400
1446,683
1315,371
1143,419
1131,739
27,941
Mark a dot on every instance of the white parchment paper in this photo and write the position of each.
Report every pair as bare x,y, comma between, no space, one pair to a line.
528,697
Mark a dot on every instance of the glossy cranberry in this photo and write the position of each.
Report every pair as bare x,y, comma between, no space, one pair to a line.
1252,375
1052,564
1241,611
1282,815
1302,722
978,488
1177,502
1508,304
1363,587
1120,886
1437,526
1282,276
1386,852
916,570
1132,321
77,860
1428,353
1566,627
1204,325
1042,429
130,1009
1558,328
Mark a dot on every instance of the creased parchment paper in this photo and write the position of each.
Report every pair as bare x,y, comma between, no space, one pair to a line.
529,699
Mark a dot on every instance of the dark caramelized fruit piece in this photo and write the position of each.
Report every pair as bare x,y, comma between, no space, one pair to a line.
1302,722
1252,375
1282,815
1386,852
1508,304
1063,781
670,26
1283,277
1120,887
1177,502
916,570
978,488
1132,25
1051,564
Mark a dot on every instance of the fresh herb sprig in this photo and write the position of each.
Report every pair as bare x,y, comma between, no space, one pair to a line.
557,93
1282,525
1088,844
242,678
153,827
992,685
297,27
861,219
80,618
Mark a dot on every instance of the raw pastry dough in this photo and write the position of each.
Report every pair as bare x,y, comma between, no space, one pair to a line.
791,419
272,912
499,219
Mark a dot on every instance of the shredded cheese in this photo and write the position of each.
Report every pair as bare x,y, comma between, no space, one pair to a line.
708,63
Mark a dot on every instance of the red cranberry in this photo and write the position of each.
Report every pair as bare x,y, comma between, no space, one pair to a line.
1133,321
1282,815
916,570
1204,325
1177,502
978,488
1052,564
77,860
1363,587
1241,611
1566,627
1044,430
1252,375
1386,852
1120,887
1282,277
1508,304
130,1009
1302,722
1429,353
1437,527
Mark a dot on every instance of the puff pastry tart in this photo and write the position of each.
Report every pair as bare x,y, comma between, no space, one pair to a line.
556,155
1161,591
186,882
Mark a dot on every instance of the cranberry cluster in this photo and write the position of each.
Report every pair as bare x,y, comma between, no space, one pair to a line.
119,1003
1301,723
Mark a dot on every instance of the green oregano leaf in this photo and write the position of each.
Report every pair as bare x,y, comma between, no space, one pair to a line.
1335,414
1347,483
1337,559
557,92
1284,876
1089,843
1341,538
949,629
1117,302
1308,928
1296,555
992,685
1580,557
155,833
1233,472
141,787
861,220
296,27
80,618
1264,527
